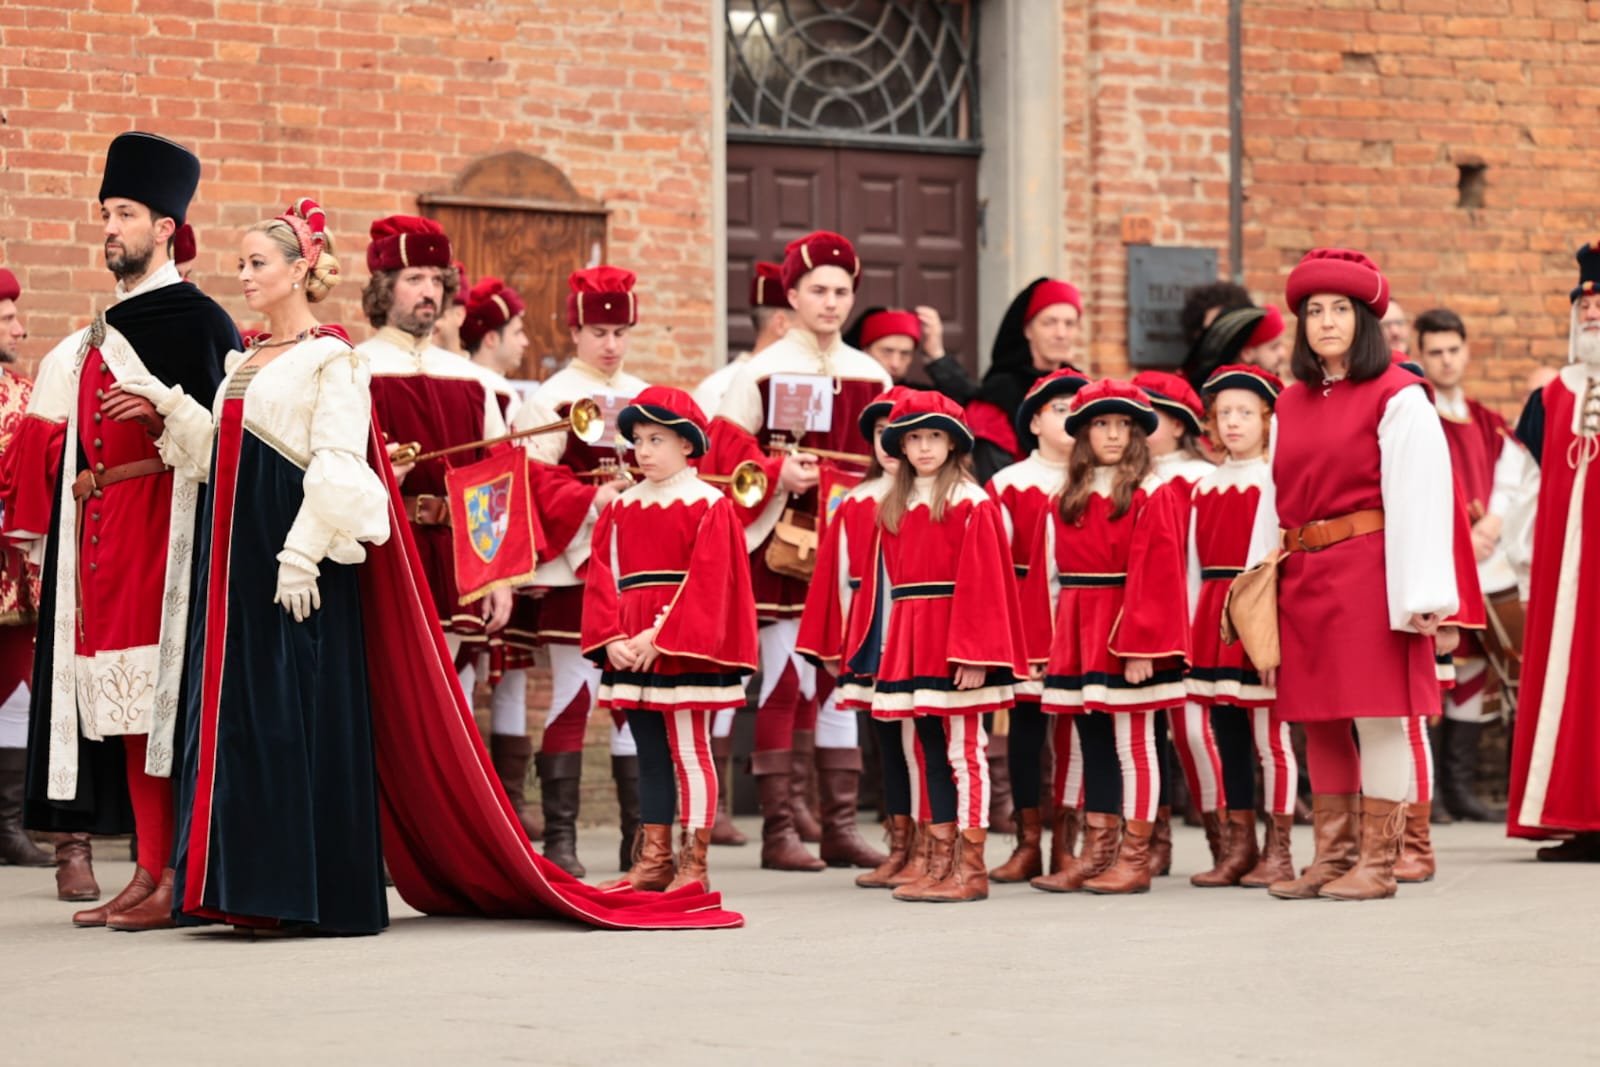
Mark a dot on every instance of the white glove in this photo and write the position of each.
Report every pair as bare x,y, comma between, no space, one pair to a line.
164,397
297,586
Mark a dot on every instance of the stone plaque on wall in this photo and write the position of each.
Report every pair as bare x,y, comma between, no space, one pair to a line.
1157,280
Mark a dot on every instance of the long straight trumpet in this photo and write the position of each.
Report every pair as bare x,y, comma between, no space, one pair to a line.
822,453
584,420
747,485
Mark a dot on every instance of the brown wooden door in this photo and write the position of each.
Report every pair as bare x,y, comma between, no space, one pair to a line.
913,218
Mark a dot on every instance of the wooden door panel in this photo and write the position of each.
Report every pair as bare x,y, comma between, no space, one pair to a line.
775,194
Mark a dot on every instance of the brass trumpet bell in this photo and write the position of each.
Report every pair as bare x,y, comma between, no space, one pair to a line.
583,420
746,485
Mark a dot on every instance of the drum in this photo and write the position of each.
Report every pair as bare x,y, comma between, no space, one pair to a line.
1502,638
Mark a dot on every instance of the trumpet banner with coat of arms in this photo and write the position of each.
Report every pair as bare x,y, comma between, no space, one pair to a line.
495,528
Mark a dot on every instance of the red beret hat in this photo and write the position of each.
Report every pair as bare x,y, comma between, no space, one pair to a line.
402,241
669,407
1263,383
10,288
879,407
602,296
925,409
820,249
183,244
1338,270
890,323
1173,394
490,305
1063,382
1050,292
1111,397
766,287
1269,329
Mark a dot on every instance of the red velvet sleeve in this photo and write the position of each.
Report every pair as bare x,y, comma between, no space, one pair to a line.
563,500
713,615
1038,620
1473,614
28,474
732,445
986,616
601,622
821,638
1155,618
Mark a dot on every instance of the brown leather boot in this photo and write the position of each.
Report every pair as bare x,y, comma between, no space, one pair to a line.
1579,848
154,912
918,855
652,868
803,786
75,869
781,849
1416,862
16,847
1063,837
969,876
1239,852
1102,832
1027,859
559,783
692,859
625,772
1002,814
941,838
1131,872
1161,844
900,833
839,784
1383,826
136,890
510,756
1336,825
1214,823
1275,864
723,831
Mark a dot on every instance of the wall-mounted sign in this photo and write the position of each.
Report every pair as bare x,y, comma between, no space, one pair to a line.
1157,280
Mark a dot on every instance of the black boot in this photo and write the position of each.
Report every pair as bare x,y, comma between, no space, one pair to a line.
1438,814
625,769
559,779
16,847
1461,756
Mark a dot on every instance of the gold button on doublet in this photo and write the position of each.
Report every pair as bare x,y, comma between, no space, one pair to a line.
99,468
97,416
97,442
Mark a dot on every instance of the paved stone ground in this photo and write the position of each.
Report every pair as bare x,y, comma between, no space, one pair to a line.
1495,962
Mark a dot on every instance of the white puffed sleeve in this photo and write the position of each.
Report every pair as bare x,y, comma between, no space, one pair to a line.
1266,536
1418,507
345,501
1516,500
185,441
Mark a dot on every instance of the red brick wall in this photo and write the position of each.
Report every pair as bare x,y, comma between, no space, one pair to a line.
362,104
1357,115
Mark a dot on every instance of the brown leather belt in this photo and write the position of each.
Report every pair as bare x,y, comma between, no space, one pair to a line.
1316,536
425,510
90,483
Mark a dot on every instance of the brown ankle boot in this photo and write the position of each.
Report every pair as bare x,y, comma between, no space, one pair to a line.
1239,853
692,859
140,887
1131,872
918,856
803,786
1102,832
1027,859
900,834
154,912
968,878
1275,864
510,756
839,784
652,868
1002,812
559,786
1161,844
781,849
75,869
1336,825
1214,824
1383,825
1416,853
723,831
1063,837
941,858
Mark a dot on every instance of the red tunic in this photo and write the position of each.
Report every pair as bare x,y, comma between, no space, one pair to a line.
1475,446
1223,514
669,554
947,599
1121,595
19,592
1341,659
842,560
1024,491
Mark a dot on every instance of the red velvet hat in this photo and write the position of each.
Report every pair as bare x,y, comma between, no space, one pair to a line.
1338,270
1269,329
1172,394
183,244
888,324
602,296
924,409
672,408
1111,397
1263,383
1588,271
490,305
878,407
10,288
1049,292
766,287
1064,382
402,241
460,299
820,249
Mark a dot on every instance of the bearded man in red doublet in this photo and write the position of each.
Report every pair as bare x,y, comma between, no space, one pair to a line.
1554,791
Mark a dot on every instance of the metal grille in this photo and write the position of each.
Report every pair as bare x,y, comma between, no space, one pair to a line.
853,71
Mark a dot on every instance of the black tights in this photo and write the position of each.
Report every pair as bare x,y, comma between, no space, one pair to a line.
941,779
1237,750
896,774
1024,754
1102,769
658,782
